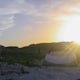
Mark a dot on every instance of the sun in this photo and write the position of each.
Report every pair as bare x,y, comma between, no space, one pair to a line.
70,29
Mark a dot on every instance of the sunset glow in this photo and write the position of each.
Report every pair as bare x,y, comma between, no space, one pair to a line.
70,28
25,22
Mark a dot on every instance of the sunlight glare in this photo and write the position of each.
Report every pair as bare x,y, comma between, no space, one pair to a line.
70,30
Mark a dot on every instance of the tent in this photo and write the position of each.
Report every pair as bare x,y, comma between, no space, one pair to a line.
59,57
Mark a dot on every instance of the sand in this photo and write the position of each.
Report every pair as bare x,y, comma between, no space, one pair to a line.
21,72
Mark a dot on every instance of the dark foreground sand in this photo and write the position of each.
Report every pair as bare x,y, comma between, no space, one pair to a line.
20,72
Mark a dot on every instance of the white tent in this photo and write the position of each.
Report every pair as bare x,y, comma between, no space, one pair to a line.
60,57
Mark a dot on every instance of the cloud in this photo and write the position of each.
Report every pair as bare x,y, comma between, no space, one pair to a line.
6,22
8,11
42,13
16,6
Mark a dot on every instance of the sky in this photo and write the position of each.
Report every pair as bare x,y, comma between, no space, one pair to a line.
24,22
